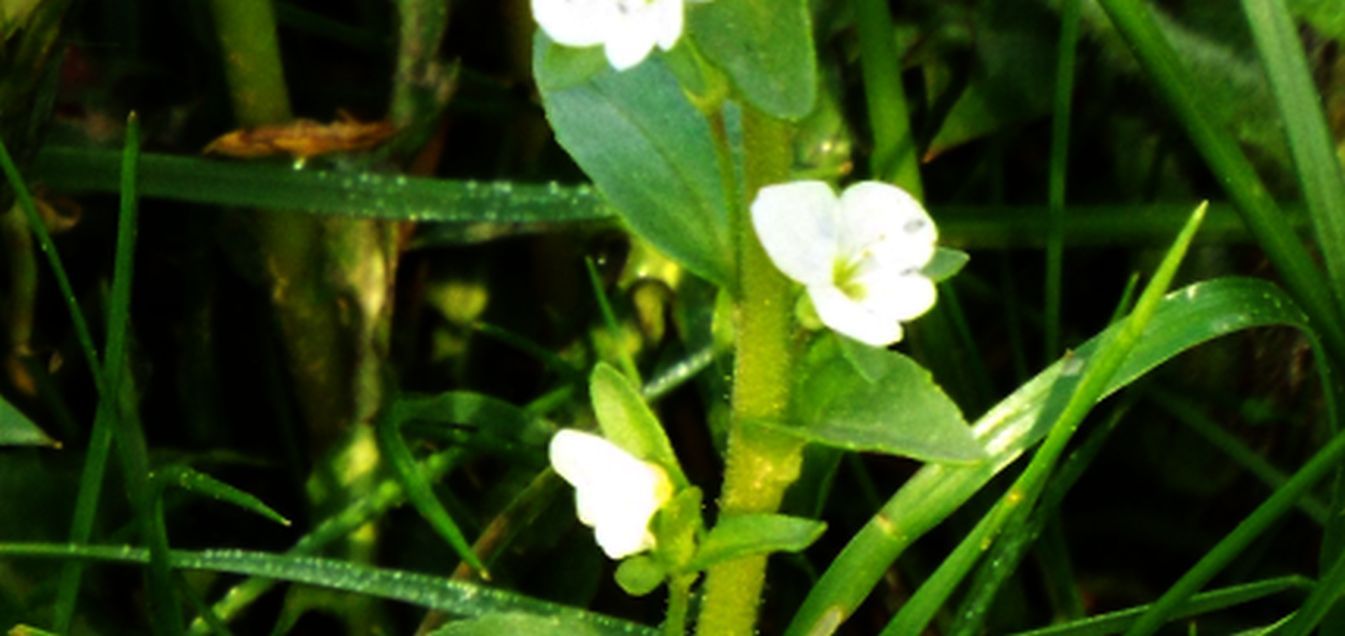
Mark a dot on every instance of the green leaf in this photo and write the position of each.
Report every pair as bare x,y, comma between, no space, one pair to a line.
741,536
649,151
947,262
893,406
627,421
640,575
765,46
518,625
17,430
676,528
1184,319
415,588
194,481
278,187
418,489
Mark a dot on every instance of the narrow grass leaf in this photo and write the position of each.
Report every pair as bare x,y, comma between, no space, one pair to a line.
1055,190
1203,603
418,489
1320,601
1235,542
1007,553
24,198
517,625
197,482
895,157
278,187
415,588
1259,211
382,498
1185,319
916,614
1310,140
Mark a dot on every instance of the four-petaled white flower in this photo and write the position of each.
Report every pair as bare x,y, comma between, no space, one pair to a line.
627,29
616,493
859,255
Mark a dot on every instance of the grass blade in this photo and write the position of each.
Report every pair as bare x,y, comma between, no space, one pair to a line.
194,481
1007,553
424,590
1310,141
1111,353
1186,318
895,158
1055,190
418,489
1274,507
131,446
280,188
1205,602
1259,211
29,207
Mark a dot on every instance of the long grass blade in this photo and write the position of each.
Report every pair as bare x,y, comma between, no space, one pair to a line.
1025,491
1310,141
1055,189
895,157
418,490
415,588
1262,215
278,187
1007,553
1203,603
1186,318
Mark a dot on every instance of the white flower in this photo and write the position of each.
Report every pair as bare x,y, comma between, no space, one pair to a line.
859,255
616,493
627,29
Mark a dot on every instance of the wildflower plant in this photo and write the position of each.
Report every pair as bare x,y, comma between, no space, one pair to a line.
740,364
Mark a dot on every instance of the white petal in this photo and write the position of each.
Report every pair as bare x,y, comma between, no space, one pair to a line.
898,295
669,15
885,222
615,492
628,45
846,316
576,22
797,224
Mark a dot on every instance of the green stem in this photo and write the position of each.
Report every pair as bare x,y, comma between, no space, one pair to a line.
760,464
894,154
1055,189
679,597
251,54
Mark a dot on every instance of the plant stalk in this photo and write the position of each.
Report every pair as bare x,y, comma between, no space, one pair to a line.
760,464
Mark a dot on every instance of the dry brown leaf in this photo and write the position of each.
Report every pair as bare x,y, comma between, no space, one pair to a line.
301,138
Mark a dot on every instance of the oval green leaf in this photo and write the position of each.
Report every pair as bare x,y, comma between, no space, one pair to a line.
741,536
766,48
628,422
878,401
648,150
